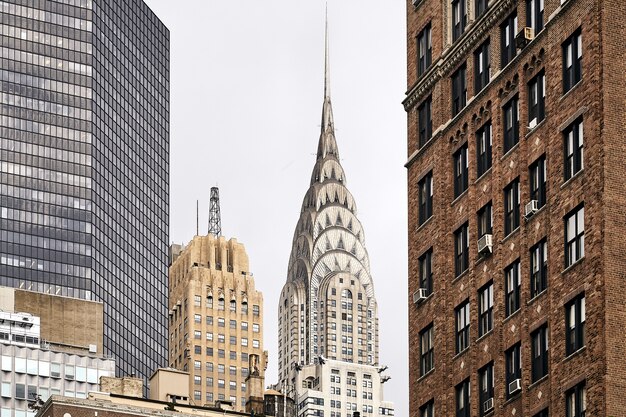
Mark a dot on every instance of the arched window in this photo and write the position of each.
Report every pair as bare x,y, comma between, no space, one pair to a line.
233,306
346,294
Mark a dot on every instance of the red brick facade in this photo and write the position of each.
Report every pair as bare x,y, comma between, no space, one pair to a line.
598,98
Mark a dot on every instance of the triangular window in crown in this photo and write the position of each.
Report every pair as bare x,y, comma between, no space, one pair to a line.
339,222
340,244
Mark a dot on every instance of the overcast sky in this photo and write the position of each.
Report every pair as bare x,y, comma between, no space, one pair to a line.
246,98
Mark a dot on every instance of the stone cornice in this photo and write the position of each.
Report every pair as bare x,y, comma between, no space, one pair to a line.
459,50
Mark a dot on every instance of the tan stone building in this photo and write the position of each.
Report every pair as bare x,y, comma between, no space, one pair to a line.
216,321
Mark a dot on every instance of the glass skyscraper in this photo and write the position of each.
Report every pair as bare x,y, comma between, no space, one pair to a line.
84,167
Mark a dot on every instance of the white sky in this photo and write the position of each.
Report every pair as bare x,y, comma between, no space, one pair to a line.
246,99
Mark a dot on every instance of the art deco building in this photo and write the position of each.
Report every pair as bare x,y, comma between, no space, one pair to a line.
516,207
84,151
328,313
216,321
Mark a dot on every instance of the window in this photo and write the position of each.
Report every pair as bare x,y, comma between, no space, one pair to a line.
513,369
511,207
538,268
426,272
485,388
427,350
539,353
459,18
537,179
255,343
485,309
220,368
508,30
576,401
481,67
20,391
220,383
255,310
572,61
424,50
197,334
511,124
461,250
197,364
463,399
536,100
255,328
485,220
197,318
428,409
462,326
197,380
534,15
459,90
244,341
483,149
220,338
233,324
573,146
460,171
244,326
221,322
575,324
512,287
425,190
480,6
425,121
543,413
574,236
232,340
233,306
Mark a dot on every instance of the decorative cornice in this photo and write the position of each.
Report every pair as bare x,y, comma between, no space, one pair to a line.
459,50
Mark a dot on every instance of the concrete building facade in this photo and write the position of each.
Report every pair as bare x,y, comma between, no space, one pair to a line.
515,182
216,322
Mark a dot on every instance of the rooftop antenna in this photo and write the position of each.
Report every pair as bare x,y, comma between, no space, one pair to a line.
197,218
215,218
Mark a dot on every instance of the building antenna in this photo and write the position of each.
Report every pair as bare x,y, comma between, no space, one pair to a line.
197,218
215,218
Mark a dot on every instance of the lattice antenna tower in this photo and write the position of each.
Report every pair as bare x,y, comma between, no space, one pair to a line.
215,218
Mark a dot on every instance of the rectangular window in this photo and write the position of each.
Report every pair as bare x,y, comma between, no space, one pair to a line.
511,124
538,268
425,271
537,181
536,100
480,7
576,401
572,61
534,15
425,121
459,90
512,285
425,191
461,249
427,350
508,30
575,313
574,236
462,313
459,18
424,50
511,207
428,409
573,147
485,392
485,220
543,413
485,309
483,149
539,347
482,67
461,171
513,370
463,399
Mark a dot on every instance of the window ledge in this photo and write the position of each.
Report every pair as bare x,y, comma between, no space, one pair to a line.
572,178
572,266
484,174
461,275
510,151
532,300
483,337
514,398
539,381
427,374
575,353
579,82
529,219
421,303
461,353
537,126
507,237
460,196
513,314
423,225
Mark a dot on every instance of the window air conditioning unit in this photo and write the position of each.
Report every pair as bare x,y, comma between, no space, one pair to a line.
420,295
515,386
531,208
485,244
524,37
532,124
488,405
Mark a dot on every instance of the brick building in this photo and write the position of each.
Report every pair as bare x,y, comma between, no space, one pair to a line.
516,219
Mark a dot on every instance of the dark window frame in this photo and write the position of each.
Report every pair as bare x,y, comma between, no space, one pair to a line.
425,121
459,89
485,387
426,271
461,170
575,319
428,409
537,176
462,326
424,50
573,149
576,400
484,220
485,309
513,367
572,61
425,197
539,353
512,288
484,147
510,124
574,243
459,18
482,66
427,350
461,249
537,99
462,399
538,268
511,207
534,15
508,30
480,7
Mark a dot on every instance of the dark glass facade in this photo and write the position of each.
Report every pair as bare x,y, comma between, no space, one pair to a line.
84,163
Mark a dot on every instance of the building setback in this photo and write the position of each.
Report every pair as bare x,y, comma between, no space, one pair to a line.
216,322
84,171
516,219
